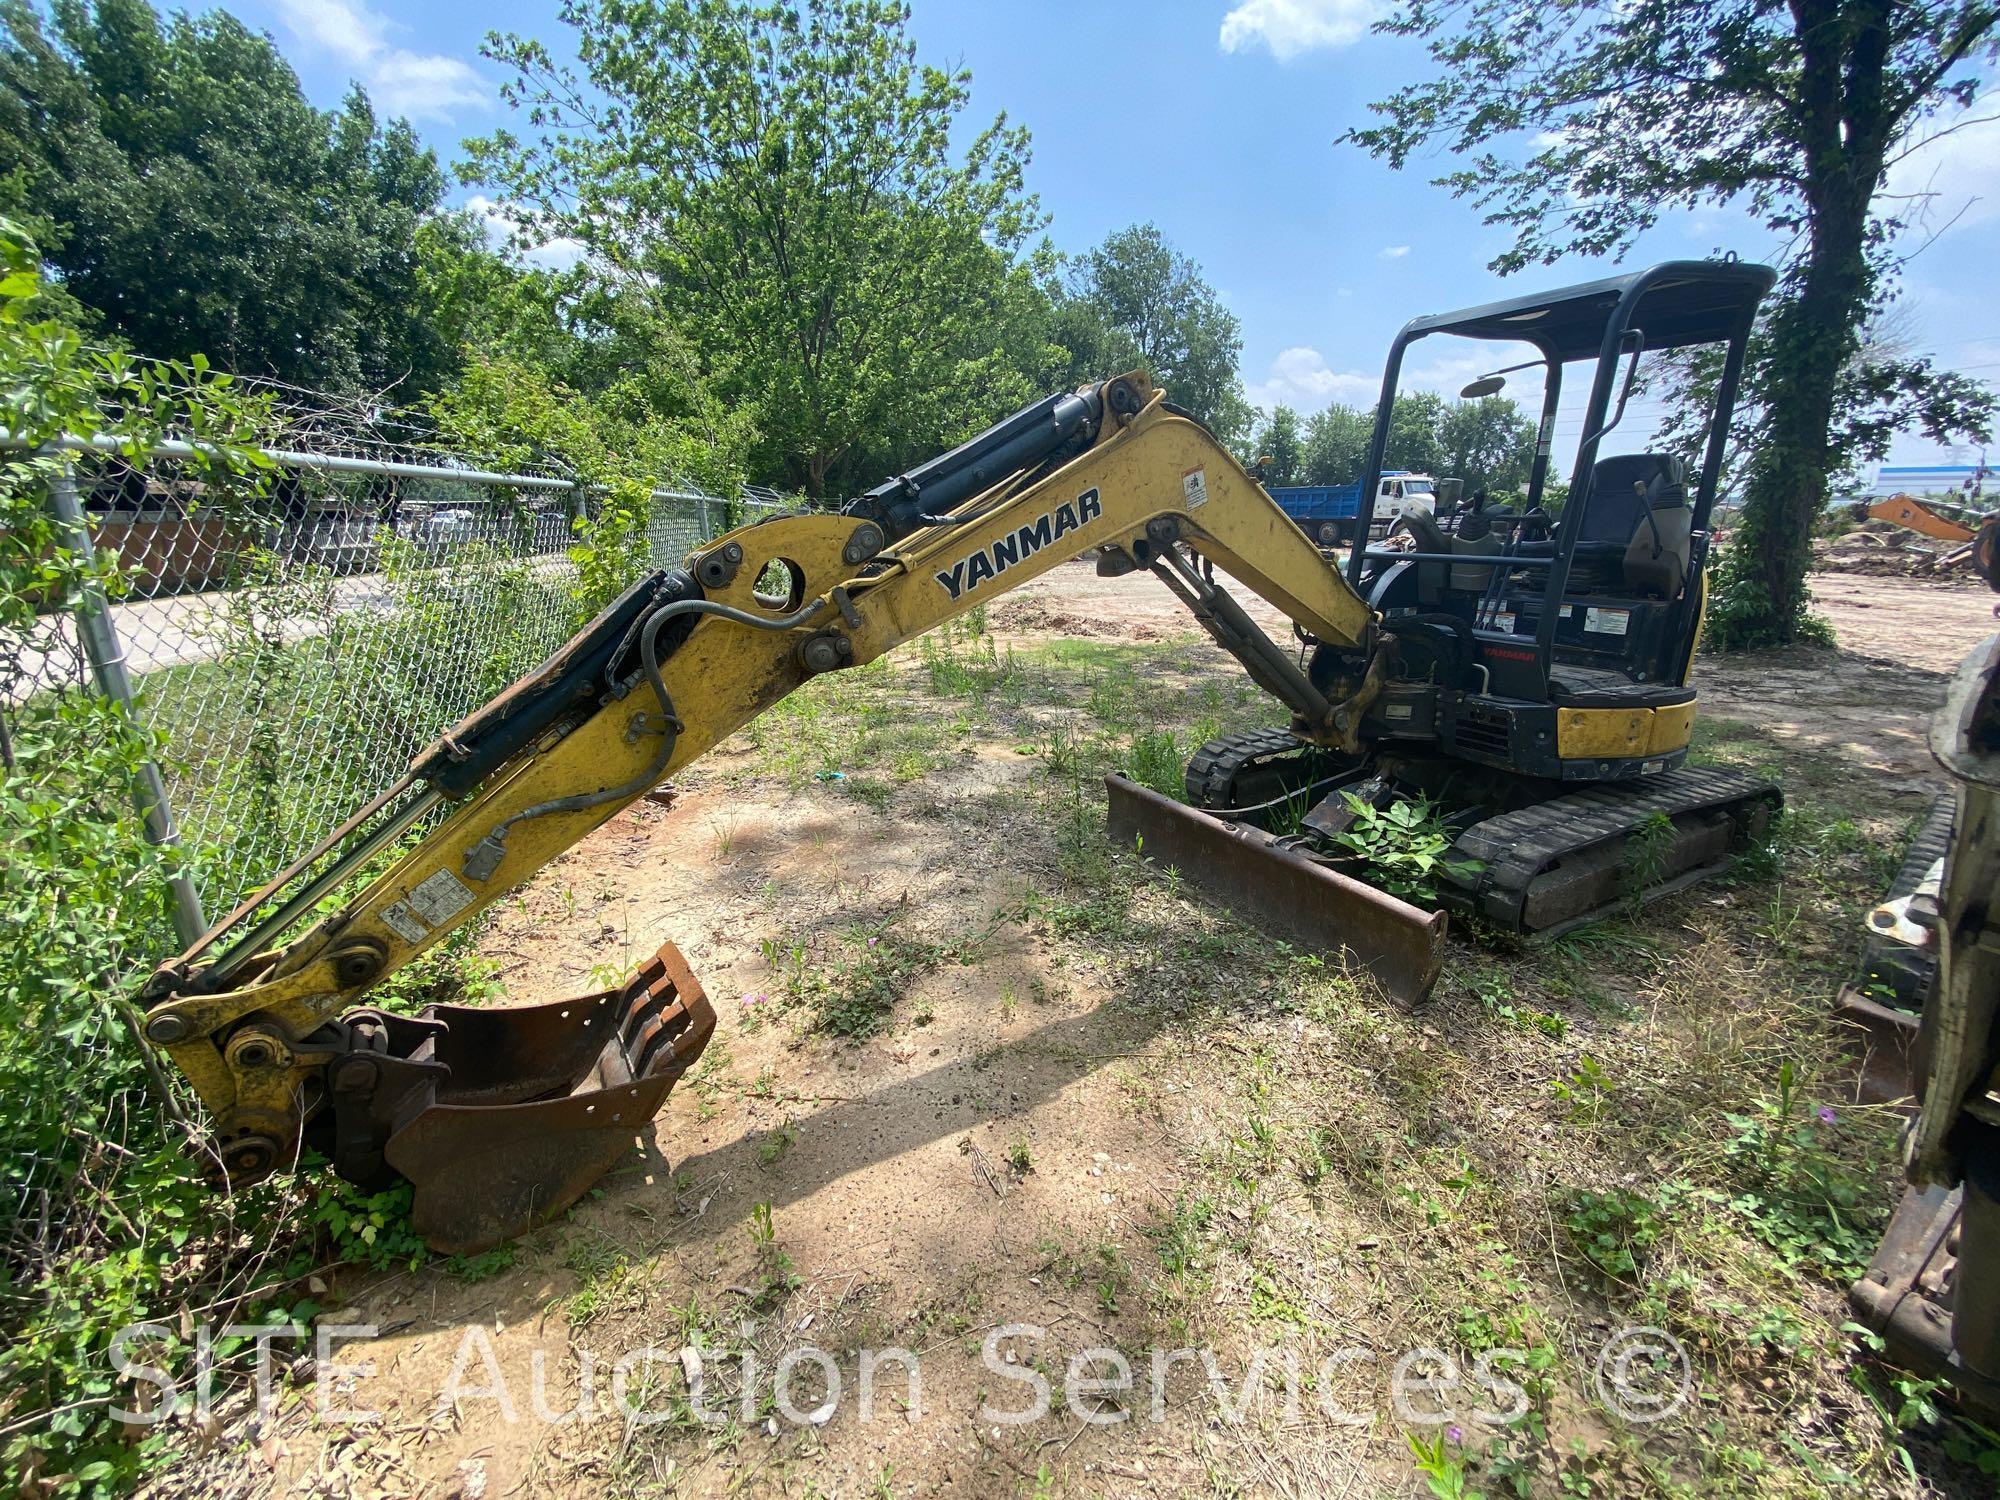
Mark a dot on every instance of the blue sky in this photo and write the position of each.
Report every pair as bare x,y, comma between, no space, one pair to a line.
1216,119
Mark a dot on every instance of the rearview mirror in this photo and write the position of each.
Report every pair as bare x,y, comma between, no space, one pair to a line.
1485,385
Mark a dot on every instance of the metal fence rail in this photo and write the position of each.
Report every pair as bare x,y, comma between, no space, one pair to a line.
293,655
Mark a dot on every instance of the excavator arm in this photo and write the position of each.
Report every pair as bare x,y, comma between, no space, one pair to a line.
503,1117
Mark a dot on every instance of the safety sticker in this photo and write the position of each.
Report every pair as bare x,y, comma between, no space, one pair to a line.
440,898
1194,485
1607,621
1504,621
400,920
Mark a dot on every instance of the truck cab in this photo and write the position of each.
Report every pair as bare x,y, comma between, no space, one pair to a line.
1328,512
1399,494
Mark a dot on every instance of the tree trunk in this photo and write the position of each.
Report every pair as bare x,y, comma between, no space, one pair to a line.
1761,597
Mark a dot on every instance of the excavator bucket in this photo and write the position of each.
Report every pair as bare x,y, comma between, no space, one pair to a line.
532,1104
1262,880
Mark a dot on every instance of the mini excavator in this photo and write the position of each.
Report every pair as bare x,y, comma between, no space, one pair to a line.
1527,673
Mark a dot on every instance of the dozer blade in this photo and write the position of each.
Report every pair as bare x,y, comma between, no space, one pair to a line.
534,1103
1251,873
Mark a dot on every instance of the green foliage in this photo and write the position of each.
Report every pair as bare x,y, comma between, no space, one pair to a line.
1337,444
1153,308
1586,1091
852,988
1615,1230
1794,1191
1646,852
622,443
963,661
1442,1466
780,184
195,201
1578,126
370,1229
1279,446
1404,847
1157,761
1488,443
85,1146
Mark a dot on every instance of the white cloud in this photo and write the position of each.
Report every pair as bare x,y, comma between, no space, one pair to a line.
1393,252
1301,379
501,223
420,85
1953,178
1289,27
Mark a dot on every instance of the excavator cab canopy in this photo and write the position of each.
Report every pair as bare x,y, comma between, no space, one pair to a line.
1676,304
1605,596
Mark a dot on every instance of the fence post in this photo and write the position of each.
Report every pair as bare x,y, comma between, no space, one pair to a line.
107,664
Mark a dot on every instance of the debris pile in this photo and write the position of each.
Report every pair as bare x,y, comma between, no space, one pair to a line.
1884,549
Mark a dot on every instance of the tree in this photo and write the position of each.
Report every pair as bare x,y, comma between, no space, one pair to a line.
1144,290
1489,443
1337,444
1794,113
1414,426
193,200
778,183
1279,440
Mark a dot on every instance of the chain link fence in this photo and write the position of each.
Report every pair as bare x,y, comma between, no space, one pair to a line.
293,654
254,668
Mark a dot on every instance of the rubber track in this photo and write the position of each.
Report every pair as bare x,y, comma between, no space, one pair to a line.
1212,772
1517,846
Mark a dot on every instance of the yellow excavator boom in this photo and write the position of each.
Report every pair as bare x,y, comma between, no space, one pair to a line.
269,1033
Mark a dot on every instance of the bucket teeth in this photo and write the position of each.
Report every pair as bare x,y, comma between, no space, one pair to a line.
539,1101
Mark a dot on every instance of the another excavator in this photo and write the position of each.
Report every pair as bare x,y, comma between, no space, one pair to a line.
1526,673
1932,1290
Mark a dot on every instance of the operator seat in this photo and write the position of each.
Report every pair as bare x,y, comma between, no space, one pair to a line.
1637,532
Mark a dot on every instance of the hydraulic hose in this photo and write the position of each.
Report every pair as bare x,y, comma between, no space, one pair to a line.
484,857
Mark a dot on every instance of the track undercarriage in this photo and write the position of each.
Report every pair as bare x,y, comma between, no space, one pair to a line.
1527,856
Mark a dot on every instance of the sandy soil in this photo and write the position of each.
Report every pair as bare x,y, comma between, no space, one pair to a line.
1870,700
885,1166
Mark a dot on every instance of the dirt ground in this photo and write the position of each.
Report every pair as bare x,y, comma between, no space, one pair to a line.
1053,1117
1899,641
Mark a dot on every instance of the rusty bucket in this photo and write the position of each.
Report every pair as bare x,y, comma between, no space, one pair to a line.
530,1105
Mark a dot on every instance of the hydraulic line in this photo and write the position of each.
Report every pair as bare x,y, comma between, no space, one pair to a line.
485,855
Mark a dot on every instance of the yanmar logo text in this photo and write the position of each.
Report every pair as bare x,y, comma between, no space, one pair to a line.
1018,546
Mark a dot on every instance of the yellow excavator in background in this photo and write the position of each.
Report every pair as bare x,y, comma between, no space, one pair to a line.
1528,674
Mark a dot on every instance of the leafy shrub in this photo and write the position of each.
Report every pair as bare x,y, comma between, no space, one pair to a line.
103,1218
1615,1231
1404,847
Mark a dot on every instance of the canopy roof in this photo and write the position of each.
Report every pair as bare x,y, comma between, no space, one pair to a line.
1680,302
